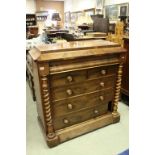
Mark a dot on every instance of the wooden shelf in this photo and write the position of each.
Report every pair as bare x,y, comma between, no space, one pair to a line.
41,15
31,20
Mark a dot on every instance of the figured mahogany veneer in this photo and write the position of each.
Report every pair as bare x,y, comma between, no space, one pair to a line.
77,87
82,88
70,105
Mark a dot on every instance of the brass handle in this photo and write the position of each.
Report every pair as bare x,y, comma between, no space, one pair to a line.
103,72
69,92
96,112
102,84
101,98
66,121
70,106
69,78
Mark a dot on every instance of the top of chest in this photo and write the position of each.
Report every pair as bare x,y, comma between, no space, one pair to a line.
76,49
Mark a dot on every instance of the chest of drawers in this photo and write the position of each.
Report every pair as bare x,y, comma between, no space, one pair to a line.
77,87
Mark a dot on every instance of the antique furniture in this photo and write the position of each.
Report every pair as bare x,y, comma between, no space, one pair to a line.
71,37
119,32
96,34
41,15
77,87
100,24
31,20
29,75
53,33
125,20
87,37
112,28
32,32
125,76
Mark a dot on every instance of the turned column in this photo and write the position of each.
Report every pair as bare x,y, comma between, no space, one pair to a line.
117,93
51,137
47,107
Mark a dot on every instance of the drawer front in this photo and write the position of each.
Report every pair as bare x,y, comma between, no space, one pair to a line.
68,78
101,71
77,117
82,102
82,88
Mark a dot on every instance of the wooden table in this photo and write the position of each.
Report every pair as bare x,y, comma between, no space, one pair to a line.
89,38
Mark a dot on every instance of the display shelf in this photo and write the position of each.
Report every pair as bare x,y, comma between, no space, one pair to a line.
41,15
30,20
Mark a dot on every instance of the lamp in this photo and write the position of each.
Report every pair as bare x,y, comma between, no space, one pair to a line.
84,21
56,20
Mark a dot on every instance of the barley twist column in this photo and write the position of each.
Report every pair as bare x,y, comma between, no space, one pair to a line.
117,90
47,107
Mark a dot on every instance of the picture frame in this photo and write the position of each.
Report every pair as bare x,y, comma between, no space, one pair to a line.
73,17
67,17
79,14
99,4
112,12
90,11
124,9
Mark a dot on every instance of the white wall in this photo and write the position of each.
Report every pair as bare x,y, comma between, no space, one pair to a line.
110,2
83,4
30,6
68,5
78,5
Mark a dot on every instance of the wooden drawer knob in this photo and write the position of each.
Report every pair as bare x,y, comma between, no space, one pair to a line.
96,112
102,84
101,98
66,121
69,78
103,72
69,92
70,106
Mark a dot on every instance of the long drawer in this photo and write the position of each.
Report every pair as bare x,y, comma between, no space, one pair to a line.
73,104
73,77
79,116
82,88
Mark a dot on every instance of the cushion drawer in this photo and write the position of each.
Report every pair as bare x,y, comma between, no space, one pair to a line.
81,102
82,88
101,71
68,78
80,116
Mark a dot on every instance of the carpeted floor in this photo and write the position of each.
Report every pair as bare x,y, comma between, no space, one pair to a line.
110,140
126,152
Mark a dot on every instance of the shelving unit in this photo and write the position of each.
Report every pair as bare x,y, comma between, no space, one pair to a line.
42,15
31,20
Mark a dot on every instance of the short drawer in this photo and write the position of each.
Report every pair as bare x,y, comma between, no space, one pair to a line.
102,71
82,88
80,116
82,102
68,78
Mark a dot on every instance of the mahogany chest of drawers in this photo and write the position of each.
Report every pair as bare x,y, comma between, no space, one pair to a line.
77,87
